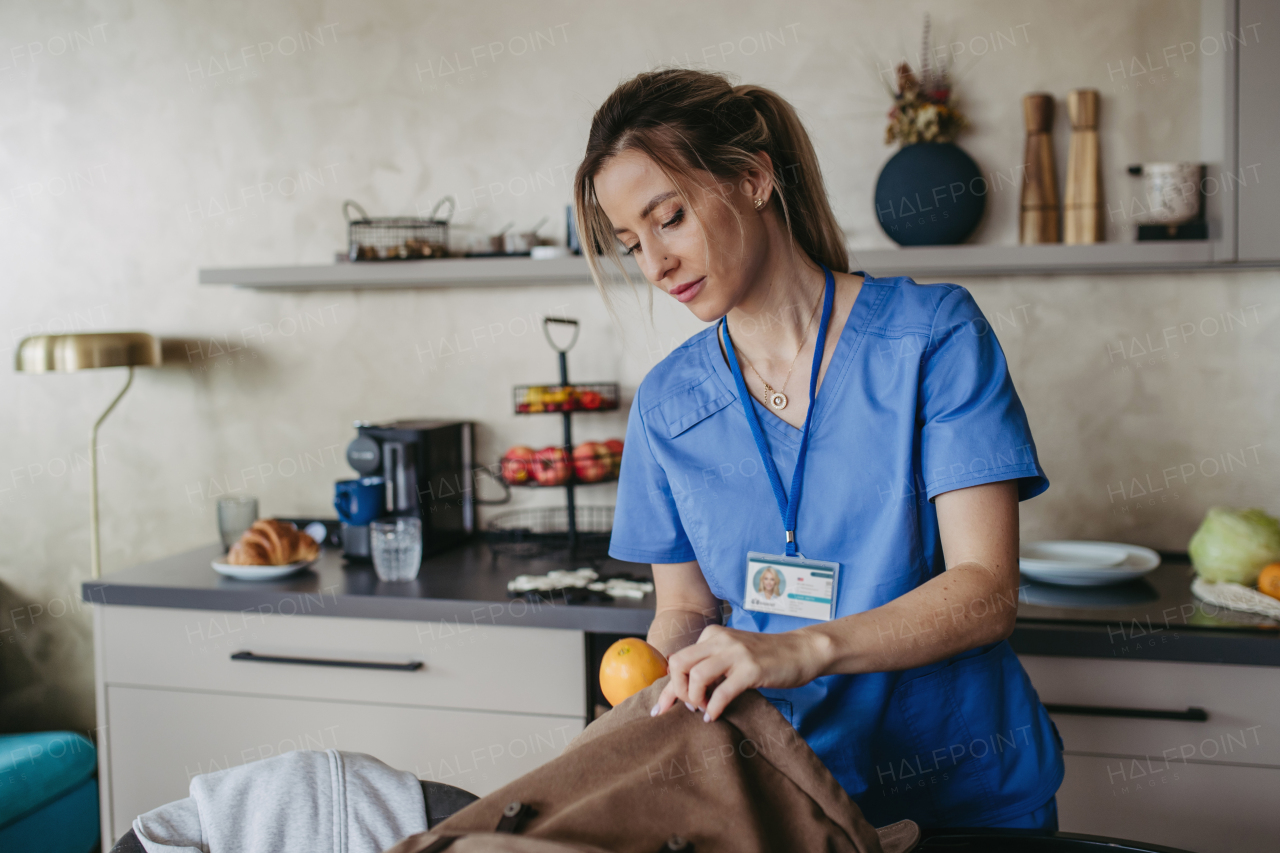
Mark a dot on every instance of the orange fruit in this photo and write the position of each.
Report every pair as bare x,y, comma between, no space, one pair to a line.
1269,580
629,666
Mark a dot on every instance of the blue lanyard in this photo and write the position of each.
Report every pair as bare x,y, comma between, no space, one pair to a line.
788,508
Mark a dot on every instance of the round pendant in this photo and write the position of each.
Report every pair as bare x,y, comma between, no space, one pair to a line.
778,400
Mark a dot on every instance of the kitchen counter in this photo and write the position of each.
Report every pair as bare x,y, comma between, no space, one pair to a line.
467,585
1155,618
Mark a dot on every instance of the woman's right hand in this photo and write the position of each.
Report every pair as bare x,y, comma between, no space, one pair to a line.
725,662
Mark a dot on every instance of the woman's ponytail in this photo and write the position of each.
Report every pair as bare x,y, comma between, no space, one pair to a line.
799,179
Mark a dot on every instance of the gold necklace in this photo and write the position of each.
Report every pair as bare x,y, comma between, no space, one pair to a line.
777,400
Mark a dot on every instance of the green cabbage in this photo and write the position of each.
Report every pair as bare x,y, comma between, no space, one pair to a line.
1234,545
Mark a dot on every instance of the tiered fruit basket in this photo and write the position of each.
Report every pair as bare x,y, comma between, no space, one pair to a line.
540,530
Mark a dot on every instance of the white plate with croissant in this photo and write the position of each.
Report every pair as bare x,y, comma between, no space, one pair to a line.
270,549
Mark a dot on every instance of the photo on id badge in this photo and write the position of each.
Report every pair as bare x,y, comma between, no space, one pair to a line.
792,586
768,583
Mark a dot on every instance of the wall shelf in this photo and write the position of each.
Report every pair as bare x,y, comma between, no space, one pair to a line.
447,272
922,262
1049,259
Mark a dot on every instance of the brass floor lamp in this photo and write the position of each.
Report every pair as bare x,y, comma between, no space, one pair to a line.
87,351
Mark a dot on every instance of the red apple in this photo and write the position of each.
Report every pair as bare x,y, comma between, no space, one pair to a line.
551,466
615,452
517,464
591,461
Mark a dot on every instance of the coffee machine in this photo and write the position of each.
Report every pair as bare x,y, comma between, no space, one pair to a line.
427,469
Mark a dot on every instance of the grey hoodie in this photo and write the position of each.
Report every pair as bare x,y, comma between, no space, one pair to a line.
316,802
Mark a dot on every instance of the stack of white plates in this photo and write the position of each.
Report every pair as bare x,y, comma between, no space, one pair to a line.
1077,563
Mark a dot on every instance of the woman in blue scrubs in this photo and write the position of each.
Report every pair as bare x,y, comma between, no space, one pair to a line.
859,438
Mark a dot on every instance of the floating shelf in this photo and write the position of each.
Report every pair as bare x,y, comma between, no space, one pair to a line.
445,272
925,262
1045,259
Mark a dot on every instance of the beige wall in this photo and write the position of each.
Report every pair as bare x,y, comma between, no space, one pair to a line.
127,162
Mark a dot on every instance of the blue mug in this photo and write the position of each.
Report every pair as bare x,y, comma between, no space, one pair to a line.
359,502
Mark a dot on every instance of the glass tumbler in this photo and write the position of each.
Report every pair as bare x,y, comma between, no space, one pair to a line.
235,515
396,544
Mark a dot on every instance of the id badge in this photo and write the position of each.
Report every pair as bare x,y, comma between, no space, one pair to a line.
791,586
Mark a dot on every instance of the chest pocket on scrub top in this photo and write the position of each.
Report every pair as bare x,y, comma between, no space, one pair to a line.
685,409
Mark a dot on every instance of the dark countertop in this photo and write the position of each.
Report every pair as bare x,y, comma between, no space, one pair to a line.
1155,618
466,585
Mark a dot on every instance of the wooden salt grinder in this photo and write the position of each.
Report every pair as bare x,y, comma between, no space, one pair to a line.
1039,220
1082,213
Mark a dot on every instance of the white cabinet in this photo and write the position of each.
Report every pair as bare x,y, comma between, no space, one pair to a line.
1242,704
496,668
472,705
1203,785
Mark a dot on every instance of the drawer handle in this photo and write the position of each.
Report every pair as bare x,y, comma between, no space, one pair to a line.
410,666
1193,715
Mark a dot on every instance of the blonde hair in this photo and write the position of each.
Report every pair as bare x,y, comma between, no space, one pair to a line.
687,121
777,581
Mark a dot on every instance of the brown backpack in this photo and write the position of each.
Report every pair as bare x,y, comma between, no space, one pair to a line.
631,783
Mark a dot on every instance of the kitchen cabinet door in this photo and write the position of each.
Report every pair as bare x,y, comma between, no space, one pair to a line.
1239,701
464,665
159,739
1258,195
1208,808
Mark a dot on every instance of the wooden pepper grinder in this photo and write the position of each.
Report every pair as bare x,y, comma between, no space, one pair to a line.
1039,220
1082,221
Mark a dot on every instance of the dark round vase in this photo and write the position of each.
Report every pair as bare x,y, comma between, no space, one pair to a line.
930,194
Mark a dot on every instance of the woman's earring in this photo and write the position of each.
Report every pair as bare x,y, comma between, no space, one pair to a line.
759,203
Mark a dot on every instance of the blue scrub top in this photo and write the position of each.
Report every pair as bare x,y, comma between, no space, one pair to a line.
916,401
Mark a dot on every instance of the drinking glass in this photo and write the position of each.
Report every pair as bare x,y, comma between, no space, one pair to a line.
396,544
235,515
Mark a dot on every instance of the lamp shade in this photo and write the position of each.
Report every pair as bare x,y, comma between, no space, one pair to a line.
85,351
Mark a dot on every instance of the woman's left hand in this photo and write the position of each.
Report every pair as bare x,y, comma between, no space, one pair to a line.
725,662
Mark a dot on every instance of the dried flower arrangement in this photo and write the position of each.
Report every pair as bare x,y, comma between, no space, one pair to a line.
923,110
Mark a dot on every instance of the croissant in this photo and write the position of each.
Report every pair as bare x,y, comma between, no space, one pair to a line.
271,542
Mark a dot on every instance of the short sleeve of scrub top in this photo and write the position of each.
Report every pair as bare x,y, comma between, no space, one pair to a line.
974,429
644,493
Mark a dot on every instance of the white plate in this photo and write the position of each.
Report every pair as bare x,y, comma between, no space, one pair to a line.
1072,554
1071,563
259,573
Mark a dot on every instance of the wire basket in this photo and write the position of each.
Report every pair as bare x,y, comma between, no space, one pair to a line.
543,531
397,238
595,397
